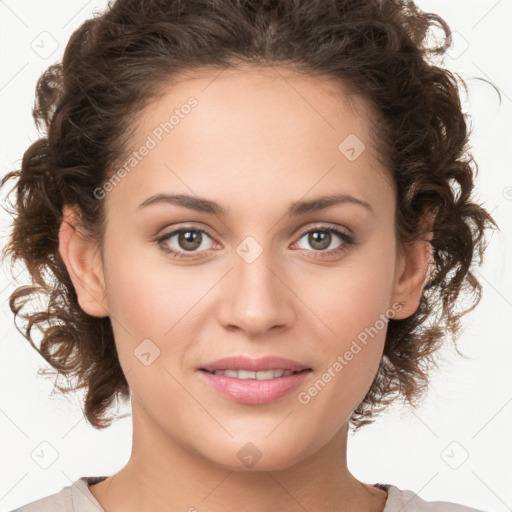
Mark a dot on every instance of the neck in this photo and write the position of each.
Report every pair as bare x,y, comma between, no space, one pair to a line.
162,474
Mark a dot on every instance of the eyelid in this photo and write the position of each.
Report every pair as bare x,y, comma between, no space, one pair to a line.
325,226
175,229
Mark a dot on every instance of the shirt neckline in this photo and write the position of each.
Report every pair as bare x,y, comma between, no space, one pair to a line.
84,501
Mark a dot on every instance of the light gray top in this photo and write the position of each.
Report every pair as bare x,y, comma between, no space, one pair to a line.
78,498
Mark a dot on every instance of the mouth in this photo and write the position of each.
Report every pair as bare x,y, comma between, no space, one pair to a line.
244,367
256,375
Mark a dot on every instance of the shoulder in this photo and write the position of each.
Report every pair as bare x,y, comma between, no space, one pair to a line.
408,501
59,502
72,498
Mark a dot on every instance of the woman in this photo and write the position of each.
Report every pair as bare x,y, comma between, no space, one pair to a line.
258,221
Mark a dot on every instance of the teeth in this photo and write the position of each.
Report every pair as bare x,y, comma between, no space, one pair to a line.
246,374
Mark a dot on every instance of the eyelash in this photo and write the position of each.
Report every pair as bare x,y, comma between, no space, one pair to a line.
348,241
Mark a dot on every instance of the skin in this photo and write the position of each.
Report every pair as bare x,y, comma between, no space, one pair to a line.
258,140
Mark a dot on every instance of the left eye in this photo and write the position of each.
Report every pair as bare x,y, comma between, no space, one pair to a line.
320,239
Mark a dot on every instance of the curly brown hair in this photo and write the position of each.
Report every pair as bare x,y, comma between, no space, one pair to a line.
118,61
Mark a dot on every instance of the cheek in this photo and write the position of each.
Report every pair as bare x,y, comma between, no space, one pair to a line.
150,299
349,299
350,310
146,294
136,299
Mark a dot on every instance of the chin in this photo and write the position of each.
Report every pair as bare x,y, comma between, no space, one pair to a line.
260,456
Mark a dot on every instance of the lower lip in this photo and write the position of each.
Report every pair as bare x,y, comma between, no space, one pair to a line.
252,391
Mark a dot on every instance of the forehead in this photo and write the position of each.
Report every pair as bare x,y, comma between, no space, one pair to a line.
216,130
255,92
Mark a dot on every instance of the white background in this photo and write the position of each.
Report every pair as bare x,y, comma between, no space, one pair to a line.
468,410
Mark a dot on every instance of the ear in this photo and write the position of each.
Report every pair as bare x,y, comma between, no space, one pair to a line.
81,256
412,275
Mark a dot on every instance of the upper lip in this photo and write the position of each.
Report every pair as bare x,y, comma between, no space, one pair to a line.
255,365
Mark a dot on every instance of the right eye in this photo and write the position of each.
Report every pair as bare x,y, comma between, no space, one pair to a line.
186,240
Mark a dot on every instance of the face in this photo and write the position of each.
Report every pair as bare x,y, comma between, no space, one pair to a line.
267,271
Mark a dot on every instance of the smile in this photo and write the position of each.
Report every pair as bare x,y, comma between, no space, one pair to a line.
248,374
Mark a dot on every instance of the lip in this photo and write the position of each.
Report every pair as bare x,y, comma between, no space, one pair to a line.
253,391
255,365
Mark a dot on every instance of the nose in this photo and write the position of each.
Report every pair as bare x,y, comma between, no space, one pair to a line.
256,297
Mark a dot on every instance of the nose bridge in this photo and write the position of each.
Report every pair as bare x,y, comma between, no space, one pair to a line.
256,282
257,299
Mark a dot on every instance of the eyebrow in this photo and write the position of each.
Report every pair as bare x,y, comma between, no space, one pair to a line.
295,209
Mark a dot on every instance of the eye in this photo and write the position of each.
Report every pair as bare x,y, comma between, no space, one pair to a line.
193,240
186,240
321,238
